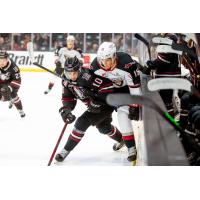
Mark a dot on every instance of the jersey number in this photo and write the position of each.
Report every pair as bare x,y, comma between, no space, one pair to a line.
97,82
17,75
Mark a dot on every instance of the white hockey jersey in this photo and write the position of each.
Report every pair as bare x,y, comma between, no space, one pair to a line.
63,53
124,74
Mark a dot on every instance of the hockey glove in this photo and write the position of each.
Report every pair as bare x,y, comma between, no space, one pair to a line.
147,67
94,107
66,115
3,77
5,92
134,111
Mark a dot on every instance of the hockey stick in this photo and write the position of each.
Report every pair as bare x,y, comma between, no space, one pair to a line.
173,84
167,49
126,99
160,40
185,49
57,144
179,49
31,55
142,39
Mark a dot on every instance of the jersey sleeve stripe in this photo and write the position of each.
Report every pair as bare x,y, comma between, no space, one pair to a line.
134,86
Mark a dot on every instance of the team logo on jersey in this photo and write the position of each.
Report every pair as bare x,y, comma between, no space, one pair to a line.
118,82
86,76
129,65
79,92
65,83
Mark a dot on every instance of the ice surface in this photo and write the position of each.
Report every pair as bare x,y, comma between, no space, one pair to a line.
31,140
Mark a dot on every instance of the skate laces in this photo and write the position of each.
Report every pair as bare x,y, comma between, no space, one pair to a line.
132,151
63,153
21,112
119,144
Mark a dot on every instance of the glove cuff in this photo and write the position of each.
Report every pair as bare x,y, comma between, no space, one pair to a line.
94,104
134,105
65,109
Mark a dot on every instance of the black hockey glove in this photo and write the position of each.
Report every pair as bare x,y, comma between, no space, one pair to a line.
94,107
134,111
147,67
3,77
5,92
66,115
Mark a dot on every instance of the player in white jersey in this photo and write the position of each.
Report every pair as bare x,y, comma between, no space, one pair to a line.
122,70
61,54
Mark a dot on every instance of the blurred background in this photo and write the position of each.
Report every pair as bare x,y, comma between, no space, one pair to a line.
88,42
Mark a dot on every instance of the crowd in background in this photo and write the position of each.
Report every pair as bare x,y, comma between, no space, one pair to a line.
88,42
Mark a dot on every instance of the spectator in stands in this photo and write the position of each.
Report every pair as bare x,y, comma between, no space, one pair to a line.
21,40
95,47
5,41
1,42
41,42
119,42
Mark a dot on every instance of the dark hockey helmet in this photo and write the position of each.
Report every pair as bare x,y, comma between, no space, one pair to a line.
72,69
3,54
72,64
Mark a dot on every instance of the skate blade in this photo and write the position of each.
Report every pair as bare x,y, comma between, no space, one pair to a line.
134,163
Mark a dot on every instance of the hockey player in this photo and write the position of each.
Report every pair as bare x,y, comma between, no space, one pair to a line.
92,90
190,104
121,69
61,54
165,65
10,81
190,122
188,100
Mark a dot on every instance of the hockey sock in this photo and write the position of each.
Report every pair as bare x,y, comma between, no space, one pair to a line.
170,109
73,139
115,134
17,102
129,139
183,118
51,84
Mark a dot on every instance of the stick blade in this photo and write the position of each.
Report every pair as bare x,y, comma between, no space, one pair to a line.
160,40
120,99
169,83
139,37
167,49
185,49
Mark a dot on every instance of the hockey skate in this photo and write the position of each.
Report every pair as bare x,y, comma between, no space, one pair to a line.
132,155
60,157
117,146
22,114
10,105
47,91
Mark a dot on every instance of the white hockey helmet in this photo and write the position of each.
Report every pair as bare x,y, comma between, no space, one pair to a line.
106,50
106,55
70,38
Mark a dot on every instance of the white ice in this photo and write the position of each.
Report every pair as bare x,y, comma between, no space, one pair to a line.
31,140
